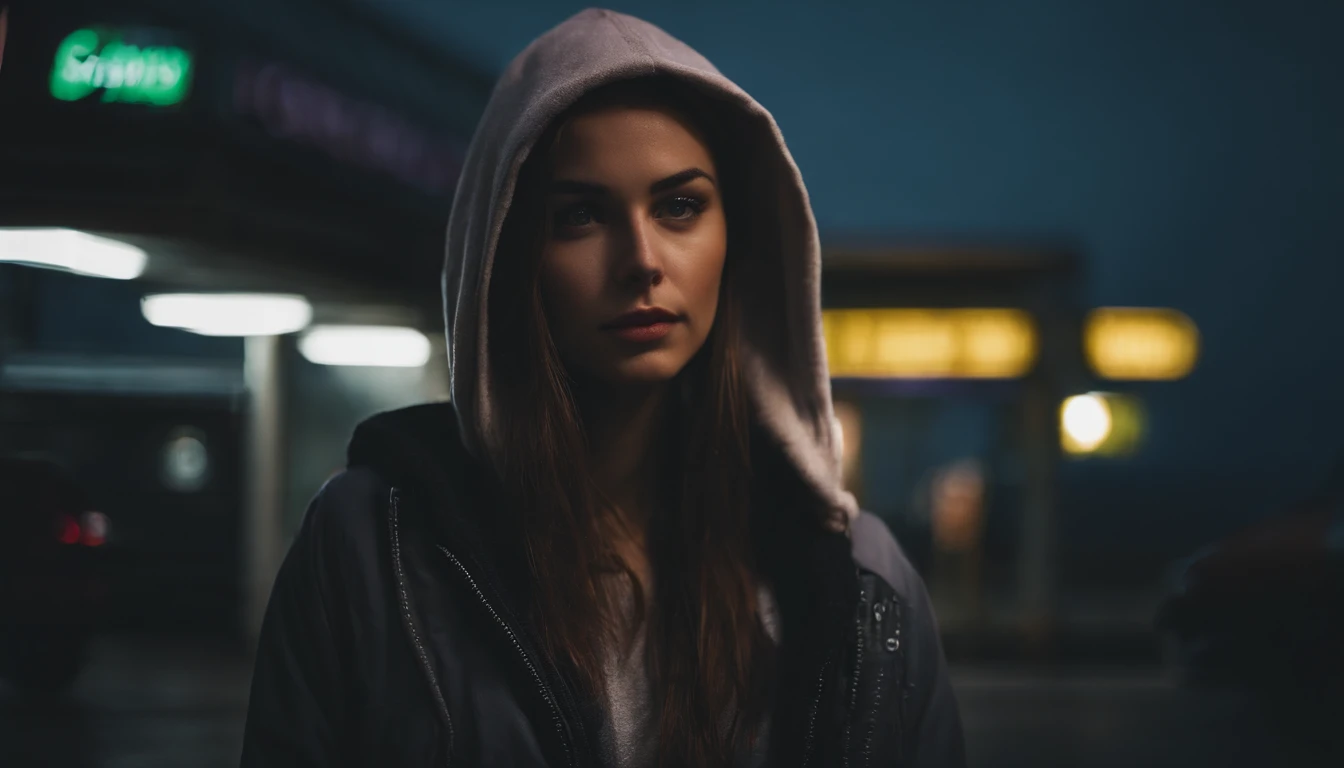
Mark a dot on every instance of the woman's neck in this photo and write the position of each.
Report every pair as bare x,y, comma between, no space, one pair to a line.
627,438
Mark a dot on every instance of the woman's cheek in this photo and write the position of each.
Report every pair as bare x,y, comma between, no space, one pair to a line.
557,281
570,298
707,281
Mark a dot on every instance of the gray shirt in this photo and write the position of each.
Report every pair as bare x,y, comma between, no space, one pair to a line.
630,738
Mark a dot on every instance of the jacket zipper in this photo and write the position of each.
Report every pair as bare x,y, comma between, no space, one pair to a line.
893,646
513,638
858,670
808,744
408,619
902,691
872,726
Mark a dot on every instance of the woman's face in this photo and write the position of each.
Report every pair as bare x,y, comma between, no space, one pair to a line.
634,247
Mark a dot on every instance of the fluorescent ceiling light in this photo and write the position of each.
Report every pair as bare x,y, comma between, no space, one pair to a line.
371,345
229,314
72,251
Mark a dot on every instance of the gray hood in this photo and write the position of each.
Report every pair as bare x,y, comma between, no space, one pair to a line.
783,347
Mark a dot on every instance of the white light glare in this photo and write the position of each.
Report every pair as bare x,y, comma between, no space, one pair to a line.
1087,421
228,314
369,345
72,251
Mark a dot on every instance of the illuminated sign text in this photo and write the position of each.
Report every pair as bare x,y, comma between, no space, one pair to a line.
294,107
92,60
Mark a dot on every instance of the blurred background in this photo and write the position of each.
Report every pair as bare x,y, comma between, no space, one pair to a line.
1082,275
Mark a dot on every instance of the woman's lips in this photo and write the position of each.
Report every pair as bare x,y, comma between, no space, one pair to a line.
643,325
643,333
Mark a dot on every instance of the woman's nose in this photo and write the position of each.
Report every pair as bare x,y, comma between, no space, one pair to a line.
640,262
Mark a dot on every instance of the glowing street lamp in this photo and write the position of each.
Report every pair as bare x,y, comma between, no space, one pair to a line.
1101,424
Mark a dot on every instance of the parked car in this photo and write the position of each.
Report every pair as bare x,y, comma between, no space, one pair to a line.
1263,609
51,581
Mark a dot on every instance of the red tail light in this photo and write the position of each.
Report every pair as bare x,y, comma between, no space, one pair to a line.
69,533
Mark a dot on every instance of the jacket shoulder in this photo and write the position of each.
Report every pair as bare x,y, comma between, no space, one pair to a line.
350,492
343,517
418,447
876,550
406,436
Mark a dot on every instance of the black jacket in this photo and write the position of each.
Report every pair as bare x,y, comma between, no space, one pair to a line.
393,635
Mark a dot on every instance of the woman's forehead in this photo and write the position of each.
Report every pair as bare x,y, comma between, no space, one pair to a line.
629,140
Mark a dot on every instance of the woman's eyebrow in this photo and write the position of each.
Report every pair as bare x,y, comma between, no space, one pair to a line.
679,178
574,187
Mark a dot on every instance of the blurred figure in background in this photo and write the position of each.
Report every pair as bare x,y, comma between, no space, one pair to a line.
626,542
957,512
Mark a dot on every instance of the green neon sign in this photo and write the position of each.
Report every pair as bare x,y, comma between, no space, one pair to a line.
90,60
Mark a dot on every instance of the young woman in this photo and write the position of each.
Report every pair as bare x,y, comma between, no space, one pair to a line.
625,542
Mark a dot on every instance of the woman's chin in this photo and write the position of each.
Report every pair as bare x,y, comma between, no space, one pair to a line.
655,367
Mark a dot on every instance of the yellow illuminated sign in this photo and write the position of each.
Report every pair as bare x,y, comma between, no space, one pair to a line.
929,343
1140,344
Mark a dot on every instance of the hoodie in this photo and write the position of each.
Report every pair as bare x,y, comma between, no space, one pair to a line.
781,336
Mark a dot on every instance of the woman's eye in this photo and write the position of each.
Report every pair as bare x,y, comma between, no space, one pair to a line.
682,208
574,217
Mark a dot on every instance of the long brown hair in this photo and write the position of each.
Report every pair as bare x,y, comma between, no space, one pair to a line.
710,656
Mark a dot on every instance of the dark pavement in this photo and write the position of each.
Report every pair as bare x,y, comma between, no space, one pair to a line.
146,703
1128,718
140,703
